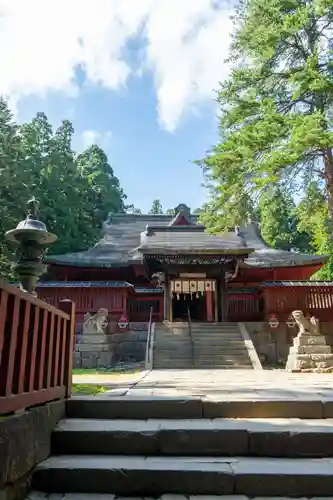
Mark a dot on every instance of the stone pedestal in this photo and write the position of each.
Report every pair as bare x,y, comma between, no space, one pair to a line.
105,351
310,353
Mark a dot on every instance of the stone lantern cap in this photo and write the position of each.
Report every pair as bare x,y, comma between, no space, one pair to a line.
31,229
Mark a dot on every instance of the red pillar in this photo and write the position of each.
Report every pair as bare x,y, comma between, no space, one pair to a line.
209,305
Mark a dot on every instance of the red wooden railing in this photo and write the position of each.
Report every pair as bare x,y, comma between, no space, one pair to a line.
116,301
36,347
313,299
139,308
87,300
244,305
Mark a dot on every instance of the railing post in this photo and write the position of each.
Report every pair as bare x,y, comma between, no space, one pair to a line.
68,307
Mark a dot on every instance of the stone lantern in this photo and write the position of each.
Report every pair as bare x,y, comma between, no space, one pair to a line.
31,239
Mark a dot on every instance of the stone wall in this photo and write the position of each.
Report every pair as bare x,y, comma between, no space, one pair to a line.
273,345
112,349
25,440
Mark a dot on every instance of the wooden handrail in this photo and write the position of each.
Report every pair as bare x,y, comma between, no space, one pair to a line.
148,343
190,334
36,350
13,290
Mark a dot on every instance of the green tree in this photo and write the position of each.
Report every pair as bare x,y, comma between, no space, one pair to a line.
76,192
156,208
13,186
131,209
276,107
53,179
313,217
279,221
104,194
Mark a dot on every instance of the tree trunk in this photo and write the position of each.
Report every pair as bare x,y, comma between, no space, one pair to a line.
328,167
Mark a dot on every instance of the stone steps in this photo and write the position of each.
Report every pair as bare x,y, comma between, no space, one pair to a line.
202,349
217,342
229,405
180,365
145,476
291,438
215,346
37,495
205,366
221,358
217,363
139,446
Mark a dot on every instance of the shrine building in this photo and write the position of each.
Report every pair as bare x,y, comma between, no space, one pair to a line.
172,264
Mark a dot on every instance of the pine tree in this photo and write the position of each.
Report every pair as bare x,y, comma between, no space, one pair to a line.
279,221
156,208
276,107
313,216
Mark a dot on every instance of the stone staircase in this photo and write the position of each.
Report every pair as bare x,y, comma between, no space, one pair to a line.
148,447
172,346
219,345
215,345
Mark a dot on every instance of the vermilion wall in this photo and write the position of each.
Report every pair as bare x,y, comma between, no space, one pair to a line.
115,300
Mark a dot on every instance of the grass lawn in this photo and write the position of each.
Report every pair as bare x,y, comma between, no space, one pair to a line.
93,371
89,389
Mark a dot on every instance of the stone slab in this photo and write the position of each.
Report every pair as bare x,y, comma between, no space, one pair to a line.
310,339
186,475
129,407
305,385
94,348
260,408
25,440
310,349
230,390
94,339
133,475
207,437
315,356
37,495
283,477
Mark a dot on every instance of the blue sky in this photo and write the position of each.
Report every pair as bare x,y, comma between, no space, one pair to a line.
135,76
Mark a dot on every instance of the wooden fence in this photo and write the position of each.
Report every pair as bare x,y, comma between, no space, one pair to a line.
244,305
313,298
87,299
139,308
36,348
115,300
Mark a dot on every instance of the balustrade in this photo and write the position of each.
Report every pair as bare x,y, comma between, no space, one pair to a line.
36,349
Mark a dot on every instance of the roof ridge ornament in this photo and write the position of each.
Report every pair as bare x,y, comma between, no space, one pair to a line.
182,211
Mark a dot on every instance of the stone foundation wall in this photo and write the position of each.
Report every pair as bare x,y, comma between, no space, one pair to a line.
25,440
273,345
112,349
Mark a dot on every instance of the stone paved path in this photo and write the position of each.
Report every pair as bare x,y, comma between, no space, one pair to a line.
220,384
111,380
84,496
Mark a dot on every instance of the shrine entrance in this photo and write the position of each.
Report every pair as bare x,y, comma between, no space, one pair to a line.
197,297
188,302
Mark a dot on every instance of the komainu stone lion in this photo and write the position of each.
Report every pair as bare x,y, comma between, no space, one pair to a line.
96,323
305,326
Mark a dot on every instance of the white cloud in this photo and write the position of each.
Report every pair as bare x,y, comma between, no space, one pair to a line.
89,137
44,42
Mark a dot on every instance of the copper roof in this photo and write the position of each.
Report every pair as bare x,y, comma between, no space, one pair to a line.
125,237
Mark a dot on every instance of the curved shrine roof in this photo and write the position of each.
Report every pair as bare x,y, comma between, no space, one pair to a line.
125,237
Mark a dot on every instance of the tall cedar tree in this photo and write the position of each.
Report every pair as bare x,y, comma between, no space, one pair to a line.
279,221
276,107
75,192
156,208
313,218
